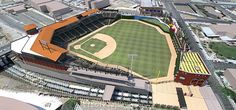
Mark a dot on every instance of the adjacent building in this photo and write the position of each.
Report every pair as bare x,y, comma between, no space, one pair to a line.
182,2
151,8
208,32
226,31
97,4
7,104
230,76
37,4
16,9
192,70
54,8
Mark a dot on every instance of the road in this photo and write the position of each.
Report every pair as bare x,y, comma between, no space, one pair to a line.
5,49
216,87
223,66
207,21
219,7
11,22
227,12
218,3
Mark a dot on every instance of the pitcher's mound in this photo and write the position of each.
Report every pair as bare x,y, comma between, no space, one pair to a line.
77,47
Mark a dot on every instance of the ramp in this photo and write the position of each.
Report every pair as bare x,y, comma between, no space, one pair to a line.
108,92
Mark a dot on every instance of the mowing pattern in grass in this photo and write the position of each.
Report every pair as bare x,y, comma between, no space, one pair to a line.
156,22
133,37
98,45
223,49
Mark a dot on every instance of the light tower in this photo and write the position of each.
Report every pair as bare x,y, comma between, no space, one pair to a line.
132,59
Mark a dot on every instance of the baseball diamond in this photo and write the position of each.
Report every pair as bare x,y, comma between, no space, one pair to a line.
131,37
93,45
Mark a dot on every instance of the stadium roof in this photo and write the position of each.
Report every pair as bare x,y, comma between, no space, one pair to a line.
192,63
24,44
42,44
89,12
51,51
18,45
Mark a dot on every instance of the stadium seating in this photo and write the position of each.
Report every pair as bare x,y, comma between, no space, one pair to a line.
84,26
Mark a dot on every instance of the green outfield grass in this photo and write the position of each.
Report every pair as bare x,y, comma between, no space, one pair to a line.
132,37
98,45
223,49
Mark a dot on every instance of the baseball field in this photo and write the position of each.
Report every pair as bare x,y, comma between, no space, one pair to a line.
117,43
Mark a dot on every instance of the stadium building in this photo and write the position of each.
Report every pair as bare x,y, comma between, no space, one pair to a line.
192,70
46,53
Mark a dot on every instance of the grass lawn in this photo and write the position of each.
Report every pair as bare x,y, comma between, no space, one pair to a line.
93,45
69,105
132,37
223,49
156,22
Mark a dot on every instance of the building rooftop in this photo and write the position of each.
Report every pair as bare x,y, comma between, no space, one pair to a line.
225,30
182,1
17,8
6,104
213,11
208,31
40,1
55,5
39,102
192,63
232,72
149,3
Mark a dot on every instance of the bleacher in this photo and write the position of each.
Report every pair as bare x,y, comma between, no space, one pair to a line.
84,26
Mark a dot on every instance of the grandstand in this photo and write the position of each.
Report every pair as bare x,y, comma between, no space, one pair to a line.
85,25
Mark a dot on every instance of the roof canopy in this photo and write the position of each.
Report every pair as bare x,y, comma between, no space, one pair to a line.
89,12
30,27
42,45
192,63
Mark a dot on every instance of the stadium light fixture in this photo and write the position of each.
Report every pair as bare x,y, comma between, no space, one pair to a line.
132,59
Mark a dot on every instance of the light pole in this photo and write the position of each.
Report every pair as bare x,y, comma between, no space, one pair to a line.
132,59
